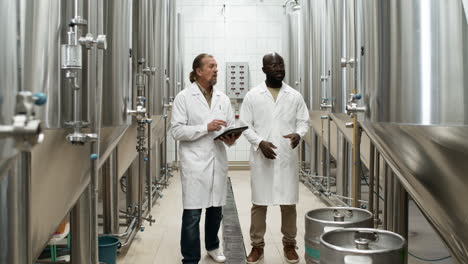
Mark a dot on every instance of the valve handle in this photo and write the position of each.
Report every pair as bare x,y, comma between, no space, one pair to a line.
39,98
94,156
358,96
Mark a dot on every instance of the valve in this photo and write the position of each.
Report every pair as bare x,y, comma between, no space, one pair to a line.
325,104
352,107
94,156
149,71
39,99
88,41
345,62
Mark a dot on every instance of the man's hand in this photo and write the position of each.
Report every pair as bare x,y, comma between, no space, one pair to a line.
215,125
295,138
230,139
267,149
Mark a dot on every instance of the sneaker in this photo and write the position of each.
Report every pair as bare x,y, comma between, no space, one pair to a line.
217,255
255,256
290,254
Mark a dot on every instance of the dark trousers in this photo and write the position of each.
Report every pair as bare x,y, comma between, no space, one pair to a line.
190,235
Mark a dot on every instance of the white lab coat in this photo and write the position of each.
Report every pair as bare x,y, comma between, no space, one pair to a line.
203,161
274,182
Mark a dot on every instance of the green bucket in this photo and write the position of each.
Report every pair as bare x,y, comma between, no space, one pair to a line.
108,246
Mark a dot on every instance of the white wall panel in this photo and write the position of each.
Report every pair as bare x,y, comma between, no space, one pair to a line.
233,30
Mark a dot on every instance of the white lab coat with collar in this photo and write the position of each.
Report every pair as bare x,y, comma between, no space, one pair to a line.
203,161
274,182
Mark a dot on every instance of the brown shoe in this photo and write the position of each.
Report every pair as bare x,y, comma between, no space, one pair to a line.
255,256
290,254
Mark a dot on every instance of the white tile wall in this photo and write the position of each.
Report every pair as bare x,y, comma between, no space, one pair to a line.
232,30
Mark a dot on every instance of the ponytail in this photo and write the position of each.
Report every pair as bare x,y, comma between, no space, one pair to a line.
197,63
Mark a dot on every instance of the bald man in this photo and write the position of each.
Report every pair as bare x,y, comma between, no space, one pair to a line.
278,118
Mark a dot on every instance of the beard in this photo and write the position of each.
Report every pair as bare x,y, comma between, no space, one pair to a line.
213,81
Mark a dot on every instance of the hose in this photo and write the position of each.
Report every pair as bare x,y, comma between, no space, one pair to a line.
428,260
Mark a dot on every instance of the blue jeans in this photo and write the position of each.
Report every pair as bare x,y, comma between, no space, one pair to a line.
190,235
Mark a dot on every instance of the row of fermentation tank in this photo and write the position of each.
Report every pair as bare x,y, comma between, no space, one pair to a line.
401,67
102,75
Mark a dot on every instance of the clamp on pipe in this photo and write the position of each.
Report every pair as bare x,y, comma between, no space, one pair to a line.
26,130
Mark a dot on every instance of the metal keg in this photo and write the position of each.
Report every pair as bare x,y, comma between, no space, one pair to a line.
363,246
323,220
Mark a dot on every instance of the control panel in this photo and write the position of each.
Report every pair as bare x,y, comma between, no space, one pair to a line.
237,79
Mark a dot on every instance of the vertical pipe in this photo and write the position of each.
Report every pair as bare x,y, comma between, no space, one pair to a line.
328,153
80,226
132,185
401,210
111,195
341,164
25,204
149,171
377,192
313,152
389,199
15,219
385,209
141,167
371,177
95,82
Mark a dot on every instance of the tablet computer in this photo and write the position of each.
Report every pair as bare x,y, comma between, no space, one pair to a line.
231,131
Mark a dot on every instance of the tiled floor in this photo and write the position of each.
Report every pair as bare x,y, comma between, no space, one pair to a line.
159,244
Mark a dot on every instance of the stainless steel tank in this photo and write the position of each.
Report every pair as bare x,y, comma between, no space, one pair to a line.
158,84
295,46
323,220
59,171
44,24
180,54
9,74
334,52
317,52
306,74
414,61
117,64
363,246
13,245
172,46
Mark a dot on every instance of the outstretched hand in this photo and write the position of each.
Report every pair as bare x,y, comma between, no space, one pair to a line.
267,149
295,139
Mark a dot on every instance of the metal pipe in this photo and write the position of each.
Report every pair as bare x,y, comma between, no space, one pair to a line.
80,225
111,195
95,73
400,219
15,218
389,200
130,238
355,161
377,193
371,177
385,180
328,152
141,174
149,172
128,230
